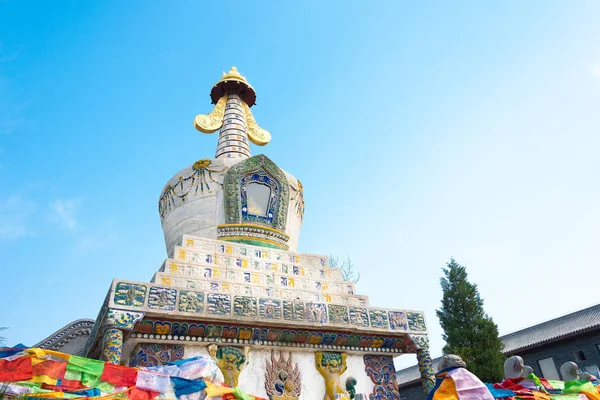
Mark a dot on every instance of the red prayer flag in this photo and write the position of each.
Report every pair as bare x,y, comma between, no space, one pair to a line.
19,369
141,394
51,368
68,384
118,375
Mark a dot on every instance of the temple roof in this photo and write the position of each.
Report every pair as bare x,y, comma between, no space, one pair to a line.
576,323
573,324
70,339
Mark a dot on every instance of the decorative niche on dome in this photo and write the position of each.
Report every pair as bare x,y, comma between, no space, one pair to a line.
256,203
258,198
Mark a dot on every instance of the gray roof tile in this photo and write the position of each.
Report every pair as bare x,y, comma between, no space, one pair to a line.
576,323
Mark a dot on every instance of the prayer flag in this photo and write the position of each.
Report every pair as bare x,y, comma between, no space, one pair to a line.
119,376
141,394
152,381
216,390
187,386
48,371
15,369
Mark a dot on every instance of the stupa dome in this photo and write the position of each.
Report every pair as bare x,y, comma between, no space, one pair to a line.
246,201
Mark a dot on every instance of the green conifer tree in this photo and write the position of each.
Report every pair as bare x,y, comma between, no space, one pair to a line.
468,331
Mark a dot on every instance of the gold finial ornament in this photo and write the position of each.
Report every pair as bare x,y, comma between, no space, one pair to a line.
233,82
233,96
256,134
209,123
233,74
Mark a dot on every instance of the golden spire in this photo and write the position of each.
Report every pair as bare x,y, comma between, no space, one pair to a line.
233,84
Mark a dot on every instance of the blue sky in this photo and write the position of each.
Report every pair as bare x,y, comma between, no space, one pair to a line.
420,132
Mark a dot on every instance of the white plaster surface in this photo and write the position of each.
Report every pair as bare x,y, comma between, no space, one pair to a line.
200,213
252,377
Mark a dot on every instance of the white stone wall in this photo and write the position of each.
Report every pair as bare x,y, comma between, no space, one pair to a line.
252,377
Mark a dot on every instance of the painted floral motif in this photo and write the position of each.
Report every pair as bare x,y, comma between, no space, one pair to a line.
416,321
218,304
293,310
383,374
270,308
192,302
162,298
379,318
112,345
338,314
244,306
359,316
129,294
398,321
282,378
152,355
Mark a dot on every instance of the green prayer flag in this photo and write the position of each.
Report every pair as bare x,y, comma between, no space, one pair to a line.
559,385
572,387
237,392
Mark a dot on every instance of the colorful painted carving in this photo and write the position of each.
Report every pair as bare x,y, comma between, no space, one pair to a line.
378,318
130,294
381,370
338,314
299,337
235,180
231,361
419,341
244,306
316,312
218,304
190,301
112,345
398,321
270,308
282,378
161,298
331,365
416,321
359,316
152,355
122,319
426,369
293,310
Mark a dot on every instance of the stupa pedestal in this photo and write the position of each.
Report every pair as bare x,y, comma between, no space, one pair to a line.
280,324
